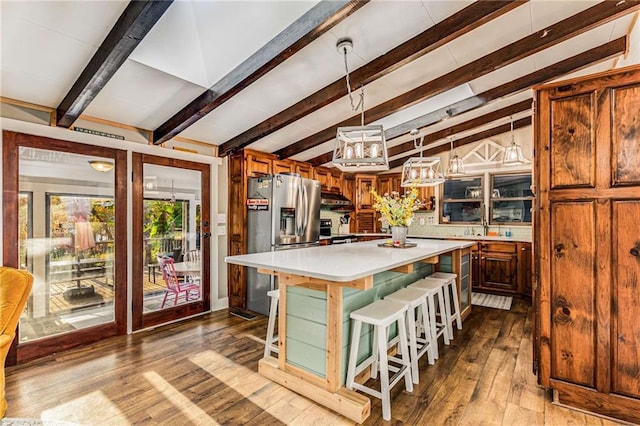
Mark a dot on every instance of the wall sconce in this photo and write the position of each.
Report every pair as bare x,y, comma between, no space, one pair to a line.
101,165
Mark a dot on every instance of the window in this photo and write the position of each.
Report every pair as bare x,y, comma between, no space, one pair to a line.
511,199
462,200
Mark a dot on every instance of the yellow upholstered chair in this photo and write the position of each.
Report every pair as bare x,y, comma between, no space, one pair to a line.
15,286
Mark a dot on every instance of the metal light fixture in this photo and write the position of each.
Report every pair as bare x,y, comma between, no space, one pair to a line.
456,166
513,153
421,171
101,165
358,148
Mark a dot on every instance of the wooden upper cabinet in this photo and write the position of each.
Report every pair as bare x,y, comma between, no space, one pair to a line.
282,166
322,175
305,170
626,127
335,184
364,199
349,186
258,163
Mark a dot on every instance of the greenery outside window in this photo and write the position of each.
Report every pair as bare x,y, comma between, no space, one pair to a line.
462,200
511,199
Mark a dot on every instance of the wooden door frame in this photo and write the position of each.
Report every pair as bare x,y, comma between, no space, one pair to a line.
142,320
11,141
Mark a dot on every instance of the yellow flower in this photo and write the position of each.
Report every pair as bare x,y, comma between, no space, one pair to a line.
395,209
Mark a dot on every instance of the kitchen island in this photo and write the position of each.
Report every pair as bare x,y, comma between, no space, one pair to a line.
320,286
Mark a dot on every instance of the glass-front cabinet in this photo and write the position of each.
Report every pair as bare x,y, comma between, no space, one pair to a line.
511,199
462,200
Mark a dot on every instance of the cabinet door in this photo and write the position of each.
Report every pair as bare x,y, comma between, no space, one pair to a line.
365,222
349,186
499,271
525,272
364,183
384,185
237,279
335,181
424,194
257,165
323,175
304,170
282,166
475,268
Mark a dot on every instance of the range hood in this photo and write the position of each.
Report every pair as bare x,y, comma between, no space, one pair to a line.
332,199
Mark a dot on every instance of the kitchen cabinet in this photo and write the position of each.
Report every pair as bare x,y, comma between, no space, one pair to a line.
496,266
364,199
388,183
365,221
330,178
282,166
242,166
525,270
587,177
305,170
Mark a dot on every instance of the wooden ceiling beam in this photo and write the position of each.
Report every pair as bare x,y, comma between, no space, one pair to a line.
132,26
460,23
573,26
517,124
574,63
317,21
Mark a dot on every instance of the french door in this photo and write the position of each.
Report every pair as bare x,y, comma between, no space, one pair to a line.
171,240
64,220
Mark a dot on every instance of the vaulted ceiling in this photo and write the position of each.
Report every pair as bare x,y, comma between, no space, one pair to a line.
267,75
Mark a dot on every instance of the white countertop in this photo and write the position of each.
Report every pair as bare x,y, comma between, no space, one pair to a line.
345,262
454,237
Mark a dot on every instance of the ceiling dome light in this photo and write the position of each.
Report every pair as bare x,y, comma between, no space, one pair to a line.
101,165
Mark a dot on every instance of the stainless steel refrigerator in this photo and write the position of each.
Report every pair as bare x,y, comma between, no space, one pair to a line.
283,212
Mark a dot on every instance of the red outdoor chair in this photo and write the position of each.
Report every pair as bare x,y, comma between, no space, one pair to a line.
176,287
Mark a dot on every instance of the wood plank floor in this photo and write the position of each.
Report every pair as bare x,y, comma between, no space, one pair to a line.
204,371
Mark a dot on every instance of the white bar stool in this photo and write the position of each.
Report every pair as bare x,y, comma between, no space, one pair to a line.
381,314
271,341
434,287
414,298
454,309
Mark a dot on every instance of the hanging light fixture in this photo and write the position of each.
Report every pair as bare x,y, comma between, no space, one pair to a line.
456,166
421,171
173,193
358,148
512,153
101,165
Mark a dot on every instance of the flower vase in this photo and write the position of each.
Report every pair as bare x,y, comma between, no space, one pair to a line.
399,235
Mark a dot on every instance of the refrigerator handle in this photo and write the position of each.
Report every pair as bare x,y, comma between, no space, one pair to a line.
299,210
305,205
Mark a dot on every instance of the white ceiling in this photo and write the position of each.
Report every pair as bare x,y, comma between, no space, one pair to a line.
45,45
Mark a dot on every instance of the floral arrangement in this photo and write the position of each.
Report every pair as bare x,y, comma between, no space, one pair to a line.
396,209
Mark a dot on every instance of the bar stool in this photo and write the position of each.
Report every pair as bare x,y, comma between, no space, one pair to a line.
381,314
271,341
454,308
414,298
434,287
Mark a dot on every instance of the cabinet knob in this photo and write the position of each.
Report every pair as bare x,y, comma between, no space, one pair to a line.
635,251
523,249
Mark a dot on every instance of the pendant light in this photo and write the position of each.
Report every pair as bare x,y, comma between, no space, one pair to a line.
421,171
456,166
358,148
512,153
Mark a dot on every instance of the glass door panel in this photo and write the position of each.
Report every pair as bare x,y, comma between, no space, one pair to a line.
170,270
66,233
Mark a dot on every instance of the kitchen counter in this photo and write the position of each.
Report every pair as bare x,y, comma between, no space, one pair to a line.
453,237
345,262
319,287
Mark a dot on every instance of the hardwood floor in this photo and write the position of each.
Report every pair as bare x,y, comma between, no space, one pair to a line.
204,371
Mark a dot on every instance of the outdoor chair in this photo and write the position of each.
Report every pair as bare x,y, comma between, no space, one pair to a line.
176,287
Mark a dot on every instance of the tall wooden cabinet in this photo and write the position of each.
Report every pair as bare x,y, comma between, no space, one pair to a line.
587,168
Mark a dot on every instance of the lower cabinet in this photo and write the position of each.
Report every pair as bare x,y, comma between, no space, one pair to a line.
502,267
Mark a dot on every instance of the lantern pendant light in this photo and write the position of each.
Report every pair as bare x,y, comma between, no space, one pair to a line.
513,153
421,171
456,165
